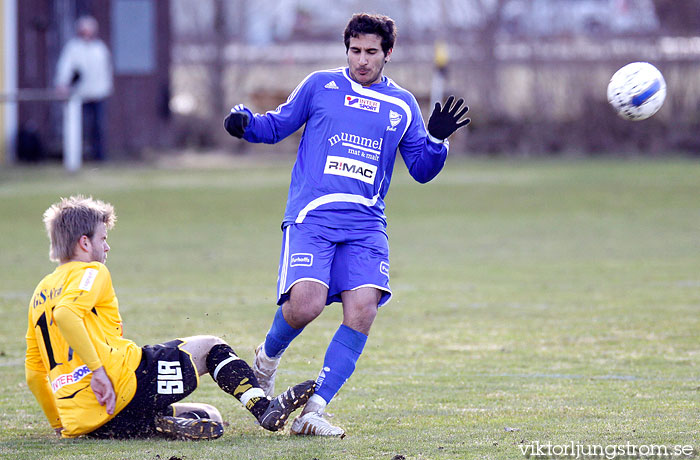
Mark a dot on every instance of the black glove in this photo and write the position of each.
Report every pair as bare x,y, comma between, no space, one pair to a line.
236,122
445,120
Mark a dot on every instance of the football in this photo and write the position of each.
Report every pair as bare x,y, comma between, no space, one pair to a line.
637,91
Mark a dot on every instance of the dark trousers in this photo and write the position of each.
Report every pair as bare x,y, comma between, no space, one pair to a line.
94,128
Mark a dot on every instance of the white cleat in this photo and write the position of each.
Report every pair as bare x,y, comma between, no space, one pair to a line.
265,370
313,424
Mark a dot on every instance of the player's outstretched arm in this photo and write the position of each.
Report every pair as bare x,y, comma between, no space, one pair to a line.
445,120
236,122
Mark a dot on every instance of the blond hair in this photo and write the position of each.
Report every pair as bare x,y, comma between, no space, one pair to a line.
71,218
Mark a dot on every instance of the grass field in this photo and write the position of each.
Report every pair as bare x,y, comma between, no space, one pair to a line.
535,302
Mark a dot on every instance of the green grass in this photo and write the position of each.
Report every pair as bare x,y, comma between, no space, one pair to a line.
539,301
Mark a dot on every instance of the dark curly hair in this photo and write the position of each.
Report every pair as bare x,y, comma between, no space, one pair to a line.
363,23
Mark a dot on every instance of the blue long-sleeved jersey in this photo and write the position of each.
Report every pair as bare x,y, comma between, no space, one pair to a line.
348,148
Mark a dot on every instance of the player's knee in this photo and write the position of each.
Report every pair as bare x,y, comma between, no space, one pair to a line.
299,314
209,342
200,347
365,308
214,343
370,311
311,309
214,340
202,341
367,313
360,317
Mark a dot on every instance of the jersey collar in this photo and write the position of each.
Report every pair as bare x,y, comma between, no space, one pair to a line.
381,83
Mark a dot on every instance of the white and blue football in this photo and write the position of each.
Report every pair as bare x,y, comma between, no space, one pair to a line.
637,91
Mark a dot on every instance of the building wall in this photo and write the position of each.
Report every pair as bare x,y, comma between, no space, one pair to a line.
139,116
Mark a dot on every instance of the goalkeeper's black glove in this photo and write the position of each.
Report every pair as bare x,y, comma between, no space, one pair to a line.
236,122
445,120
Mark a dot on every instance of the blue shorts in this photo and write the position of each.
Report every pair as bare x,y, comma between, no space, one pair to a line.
340,259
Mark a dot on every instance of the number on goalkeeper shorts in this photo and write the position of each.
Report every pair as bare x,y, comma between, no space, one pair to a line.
170,378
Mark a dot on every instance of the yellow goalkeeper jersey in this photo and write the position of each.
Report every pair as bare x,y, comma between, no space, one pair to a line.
57,376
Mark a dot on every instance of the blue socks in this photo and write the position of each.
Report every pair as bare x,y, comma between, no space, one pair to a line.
341,356
339,364
279,336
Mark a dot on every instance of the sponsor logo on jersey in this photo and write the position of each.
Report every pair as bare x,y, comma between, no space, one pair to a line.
362,103
348,167
42,296
331,85
66,379
394,120
384,268
301,259
88,279
354,141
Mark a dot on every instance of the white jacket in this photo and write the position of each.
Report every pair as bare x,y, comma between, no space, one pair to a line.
90,60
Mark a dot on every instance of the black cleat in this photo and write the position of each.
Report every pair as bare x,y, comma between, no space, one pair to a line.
282,406
188,428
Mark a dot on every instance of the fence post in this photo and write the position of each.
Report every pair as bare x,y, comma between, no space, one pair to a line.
73,133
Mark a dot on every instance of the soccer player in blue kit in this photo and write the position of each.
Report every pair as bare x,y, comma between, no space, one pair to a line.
335,246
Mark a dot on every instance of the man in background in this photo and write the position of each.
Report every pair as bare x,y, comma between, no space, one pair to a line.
85,68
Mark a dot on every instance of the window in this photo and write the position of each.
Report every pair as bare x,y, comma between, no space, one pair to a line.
133,37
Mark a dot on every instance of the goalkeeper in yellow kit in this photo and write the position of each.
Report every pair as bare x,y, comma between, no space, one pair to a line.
90,380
